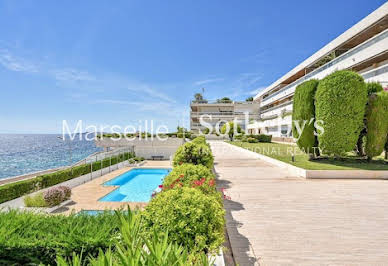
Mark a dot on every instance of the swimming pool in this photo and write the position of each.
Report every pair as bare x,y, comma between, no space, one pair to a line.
135,185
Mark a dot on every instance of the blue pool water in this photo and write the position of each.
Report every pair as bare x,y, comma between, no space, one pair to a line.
91,212
135,185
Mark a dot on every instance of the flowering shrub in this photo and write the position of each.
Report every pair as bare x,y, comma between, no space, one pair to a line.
66,191
56,195
187,205
193,219
190,175
195,154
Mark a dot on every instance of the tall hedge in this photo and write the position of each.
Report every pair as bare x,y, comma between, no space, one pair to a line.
373,87
377,123
340,104
386,149
303,112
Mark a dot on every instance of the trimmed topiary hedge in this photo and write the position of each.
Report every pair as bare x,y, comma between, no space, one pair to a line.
303,112
377,124
190,175
199,140
258,138
17,189
191,218
373,87
340,104
193,153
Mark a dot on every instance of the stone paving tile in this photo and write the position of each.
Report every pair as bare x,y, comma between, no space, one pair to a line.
275,219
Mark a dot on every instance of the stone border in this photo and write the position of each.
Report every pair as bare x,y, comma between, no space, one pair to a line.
320,174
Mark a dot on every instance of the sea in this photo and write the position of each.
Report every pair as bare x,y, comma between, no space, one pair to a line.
25,153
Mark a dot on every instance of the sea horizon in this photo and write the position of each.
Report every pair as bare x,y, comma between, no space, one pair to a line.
22,153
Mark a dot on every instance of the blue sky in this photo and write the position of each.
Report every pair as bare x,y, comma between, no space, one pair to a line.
121,62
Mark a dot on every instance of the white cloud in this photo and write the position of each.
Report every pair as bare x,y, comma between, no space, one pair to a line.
256,91
71,74
14,63
206,81
160,110
249,79
141,89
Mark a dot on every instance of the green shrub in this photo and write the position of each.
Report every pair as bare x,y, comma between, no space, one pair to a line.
252,140
192,219
239,137
199,140
135,249
340,104
376,123
373,87
264,138
303,112
20,188
190,175
193,153
36,200
229,129
27,238
258,138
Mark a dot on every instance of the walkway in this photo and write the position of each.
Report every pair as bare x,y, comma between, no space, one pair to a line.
273,219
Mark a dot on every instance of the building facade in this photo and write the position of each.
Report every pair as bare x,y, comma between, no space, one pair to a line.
219,113
362,48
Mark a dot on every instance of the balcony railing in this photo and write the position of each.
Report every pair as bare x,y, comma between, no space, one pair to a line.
336,60
276,107
268,117
215,102
223,113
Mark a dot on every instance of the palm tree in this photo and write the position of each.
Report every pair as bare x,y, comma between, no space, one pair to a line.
198,97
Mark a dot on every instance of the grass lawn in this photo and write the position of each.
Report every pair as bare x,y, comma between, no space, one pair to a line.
283,152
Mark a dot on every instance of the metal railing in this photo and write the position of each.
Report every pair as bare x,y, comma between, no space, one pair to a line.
222,113
336,60
276,107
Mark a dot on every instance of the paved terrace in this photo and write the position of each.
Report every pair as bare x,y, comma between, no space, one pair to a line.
274,219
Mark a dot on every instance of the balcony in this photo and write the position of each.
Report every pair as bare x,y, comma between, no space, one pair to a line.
374,46
223,114
277,109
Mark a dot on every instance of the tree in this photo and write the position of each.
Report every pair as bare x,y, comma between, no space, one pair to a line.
199,98
224,100
303,113
249,99
231,129
376,124
340,102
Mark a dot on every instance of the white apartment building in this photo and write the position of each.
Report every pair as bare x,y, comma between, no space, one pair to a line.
219,113
362,48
